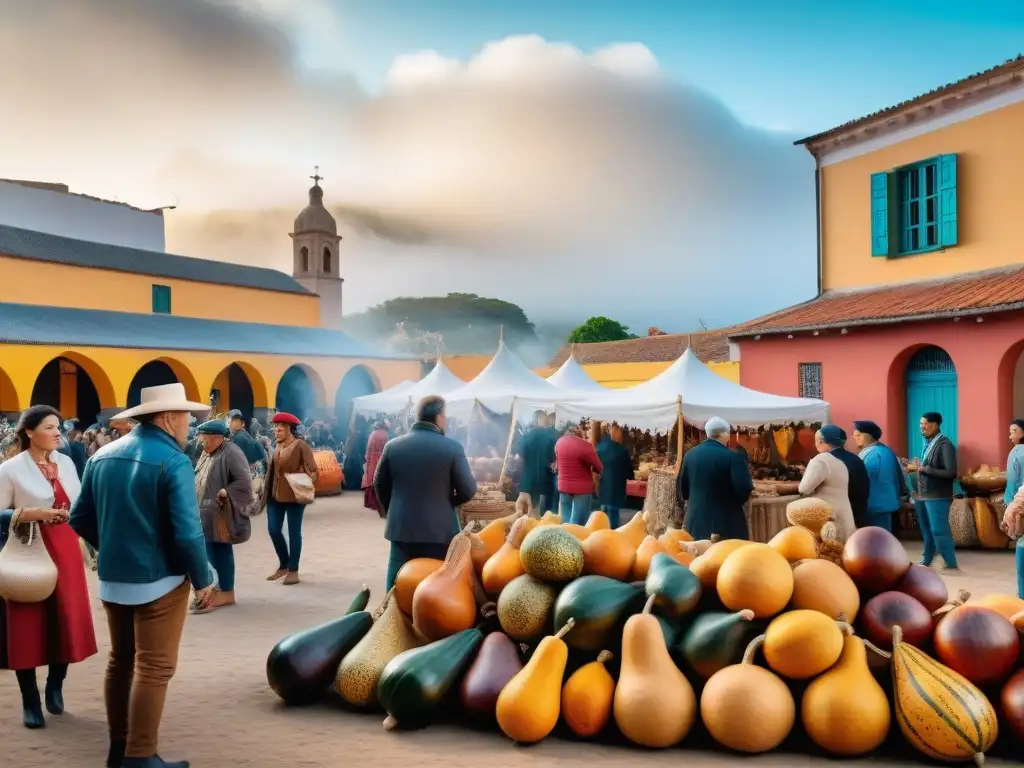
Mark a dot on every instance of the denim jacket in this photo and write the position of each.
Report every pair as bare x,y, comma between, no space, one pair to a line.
138,508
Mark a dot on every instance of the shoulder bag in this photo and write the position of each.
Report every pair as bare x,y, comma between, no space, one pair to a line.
302,487
27,572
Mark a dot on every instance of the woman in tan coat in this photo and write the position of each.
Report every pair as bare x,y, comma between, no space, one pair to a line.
291,456
827,478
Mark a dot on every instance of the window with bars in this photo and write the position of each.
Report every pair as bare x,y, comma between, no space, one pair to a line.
810,380
162,299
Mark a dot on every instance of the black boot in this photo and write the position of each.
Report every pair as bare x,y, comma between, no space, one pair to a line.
54,694
151,762
115,755
31,705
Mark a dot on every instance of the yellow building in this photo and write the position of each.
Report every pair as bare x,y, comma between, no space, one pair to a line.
90,324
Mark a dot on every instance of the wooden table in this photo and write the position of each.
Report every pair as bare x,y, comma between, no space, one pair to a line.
766,516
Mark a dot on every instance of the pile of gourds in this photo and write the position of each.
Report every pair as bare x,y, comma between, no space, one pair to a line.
531,621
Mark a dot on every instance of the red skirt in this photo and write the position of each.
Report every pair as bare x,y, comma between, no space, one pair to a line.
60,629
370,500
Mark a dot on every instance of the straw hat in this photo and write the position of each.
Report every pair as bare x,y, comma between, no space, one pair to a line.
166,397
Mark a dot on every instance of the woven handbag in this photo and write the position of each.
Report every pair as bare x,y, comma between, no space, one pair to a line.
27,573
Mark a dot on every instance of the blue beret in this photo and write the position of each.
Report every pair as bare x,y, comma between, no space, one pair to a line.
833,435
214,427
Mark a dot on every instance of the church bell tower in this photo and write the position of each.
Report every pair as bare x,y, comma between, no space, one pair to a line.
316,255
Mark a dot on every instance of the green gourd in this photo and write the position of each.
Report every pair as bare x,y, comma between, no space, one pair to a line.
360,601
597,606
670,629
675,589
716,640
301,666
415,683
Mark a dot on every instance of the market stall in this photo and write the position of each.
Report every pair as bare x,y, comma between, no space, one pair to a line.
401,397
571,376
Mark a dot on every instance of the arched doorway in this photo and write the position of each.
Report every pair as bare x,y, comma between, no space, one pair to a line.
65,385
155,373
9,405
358,381
931,385
238,387
297,393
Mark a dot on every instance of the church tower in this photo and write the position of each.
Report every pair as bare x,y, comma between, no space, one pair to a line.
316,255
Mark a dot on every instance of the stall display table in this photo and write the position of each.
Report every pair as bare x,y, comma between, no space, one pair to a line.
766,516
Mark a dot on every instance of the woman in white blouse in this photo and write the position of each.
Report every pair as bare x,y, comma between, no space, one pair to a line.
827,478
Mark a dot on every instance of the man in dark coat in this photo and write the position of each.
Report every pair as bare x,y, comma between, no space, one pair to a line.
860,483
537,449
421,478
716,482
936,474
254,453
617,469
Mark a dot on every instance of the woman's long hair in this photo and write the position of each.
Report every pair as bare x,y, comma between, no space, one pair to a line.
30,419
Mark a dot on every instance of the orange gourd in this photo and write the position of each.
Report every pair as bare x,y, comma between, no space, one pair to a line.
823,586
672,536
587,697
795,544
608,553
489,539
635,530
1018,621
550,518
409,577
647,549
578,531
445,602
598,521
505,564
755,577
681,555
1006,606
705,567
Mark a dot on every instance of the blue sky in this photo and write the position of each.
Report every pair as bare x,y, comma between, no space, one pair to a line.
783,64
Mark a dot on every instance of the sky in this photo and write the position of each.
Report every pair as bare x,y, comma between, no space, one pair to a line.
627,158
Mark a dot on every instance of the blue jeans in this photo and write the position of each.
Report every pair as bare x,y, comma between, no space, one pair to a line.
1020,567
613,514
933,517
222,558
575,508
288,551
881,520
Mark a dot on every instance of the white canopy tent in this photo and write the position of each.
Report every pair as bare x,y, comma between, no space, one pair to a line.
439,381
571,376
690,387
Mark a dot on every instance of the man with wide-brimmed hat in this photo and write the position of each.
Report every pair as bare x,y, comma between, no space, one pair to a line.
138,508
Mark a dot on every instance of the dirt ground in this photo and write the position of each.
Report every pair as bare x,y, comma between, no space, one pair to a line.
221,712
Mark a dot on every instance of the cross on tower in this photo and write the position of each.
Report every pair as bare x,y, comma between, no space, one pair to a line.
316,177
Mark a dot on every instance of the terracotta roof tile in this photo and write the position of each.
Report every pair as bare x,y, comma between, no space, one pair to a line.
973,293
709,346
1010,64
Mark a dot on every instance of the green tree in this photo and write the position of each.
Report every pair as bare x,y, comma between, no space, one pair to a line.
599,329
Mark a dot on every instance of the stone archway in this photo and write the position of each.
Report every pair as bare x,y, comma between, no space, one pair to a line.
357,381
240,386
163,370
10,406
300,392
74,385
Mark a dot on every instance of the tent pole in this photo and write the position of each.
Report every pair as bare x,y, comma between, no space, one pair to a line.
508,444
679,431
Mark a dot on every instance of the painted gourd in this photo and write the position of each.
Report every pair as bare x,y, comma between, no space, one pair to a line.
490,538
675,589
755,577
528,706
409,577
845,711
414,684
654,705
360,601
635,530
809,513
875,560
647,549
598,521
360,670
444,602
495,664
800,645
505,564
1012,703
819,585
1005,605
552,554
706,566
795,543
747,708
524,608
926,586
977,643
597,605
301,666
715,640
587,697
940,713
890,609
608,553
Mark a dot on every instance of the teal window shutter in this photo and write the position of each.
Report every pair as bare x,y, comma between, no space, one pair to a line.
162,299
948,233
880,241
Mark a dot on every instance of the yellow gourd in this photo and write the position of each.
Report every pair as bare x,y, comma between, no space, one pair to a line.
635,530
747,708
490,538
550,518
820,585
845,711
648,549
654,704
587,697
578,531
940,712
445,601
608,553
1006,606
529,704
505,564
672,536
795,544
706,566
802,644
1018,621
409,577
755,577
598,521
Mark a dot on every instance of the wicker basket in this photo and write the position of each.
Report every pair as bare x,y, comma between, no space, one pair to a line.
485,510
660,505
962,525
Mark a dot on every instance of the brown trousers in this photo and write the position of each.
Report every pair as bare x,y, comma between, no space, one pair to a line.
143,639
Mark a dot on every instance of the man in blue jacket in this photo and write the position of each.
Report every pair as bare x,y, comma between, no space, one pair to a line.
138,508
885,475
